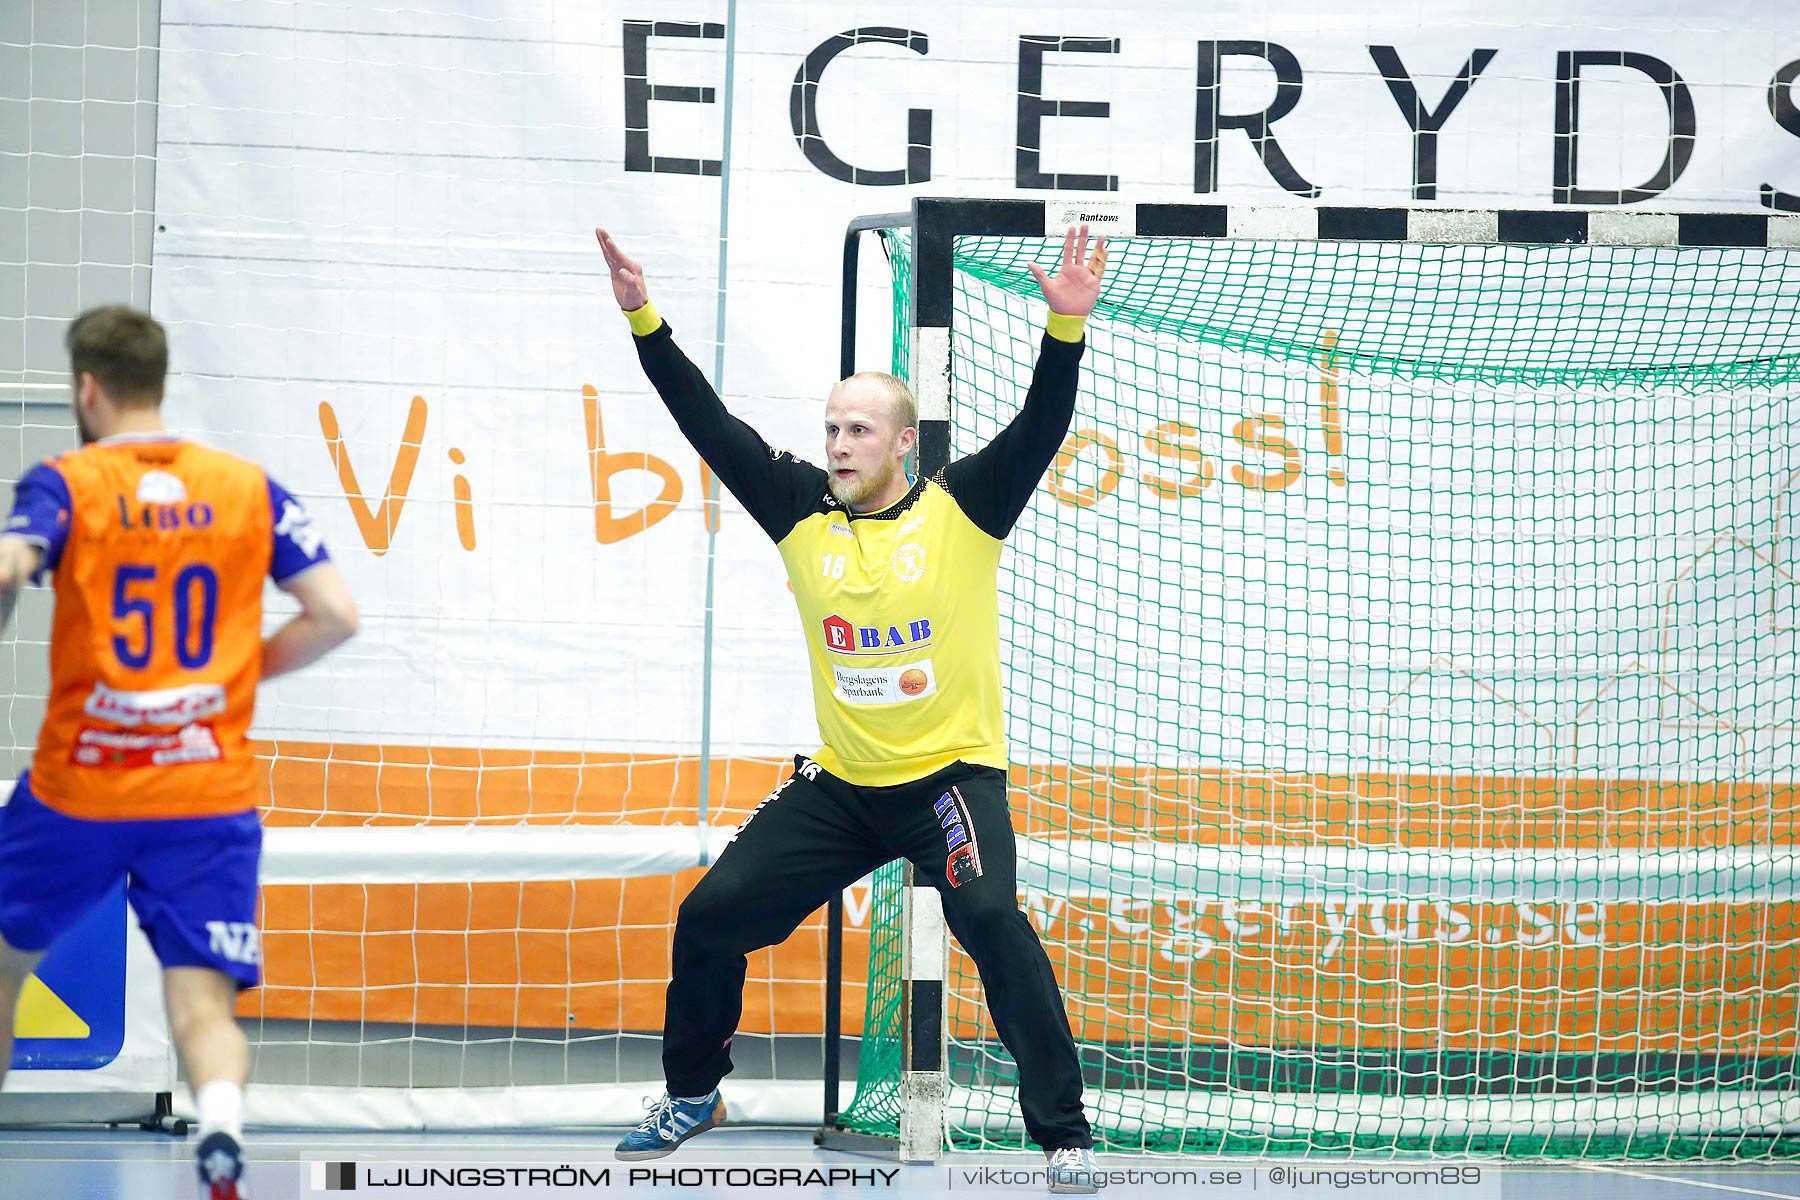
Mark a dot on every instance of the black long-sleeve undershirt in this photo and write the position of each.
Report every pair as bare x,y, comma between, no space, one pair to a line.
991,486
776,488
994,484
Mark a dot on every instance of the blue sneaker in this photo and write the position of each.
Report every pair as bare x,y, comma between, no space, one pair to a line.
1073,1171
670,1123
221,1163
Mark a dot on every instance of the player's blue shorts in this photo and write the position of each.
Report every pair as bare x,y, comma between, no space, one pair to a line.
192,881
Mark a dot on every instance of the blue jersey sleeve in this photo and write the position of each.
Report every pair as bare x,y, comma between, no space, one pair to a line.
41,511
298,542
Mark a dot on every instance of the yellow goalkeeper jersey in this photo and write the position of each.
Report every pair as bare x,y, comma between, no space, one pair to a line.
902,623
900,608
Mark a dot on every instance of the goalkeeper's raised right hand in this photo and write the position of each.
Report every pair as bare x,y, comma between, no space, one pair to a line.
627,276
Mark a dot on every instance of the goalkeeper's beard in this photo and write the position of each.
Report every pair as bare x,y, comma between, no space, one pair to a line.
853,493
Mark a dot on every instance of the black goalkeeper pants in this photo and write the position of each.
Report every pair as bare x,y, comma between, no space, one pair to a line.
814,836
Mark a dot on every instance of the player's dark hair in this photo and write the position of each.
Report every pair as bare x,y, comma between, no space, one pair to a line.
124,349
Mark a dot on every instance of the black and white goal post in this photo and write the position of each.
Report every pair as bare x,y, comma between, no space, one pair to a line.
1408,575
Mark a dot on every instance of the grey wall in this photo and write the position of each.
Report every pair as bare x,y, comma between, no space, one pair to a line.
77,184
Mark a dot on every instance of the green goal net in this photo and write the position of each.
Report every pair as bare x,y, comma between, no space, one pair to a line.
1402,687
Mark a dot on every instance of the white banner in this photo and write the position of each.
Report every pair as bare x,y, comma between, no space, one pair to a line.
374,252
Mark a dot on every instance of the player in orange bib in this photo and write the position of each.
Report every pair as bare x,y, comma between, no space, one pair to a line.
157,548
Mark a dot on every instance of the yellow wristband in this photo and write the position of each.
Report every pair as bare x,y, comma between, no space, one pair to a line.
644,320
1065,328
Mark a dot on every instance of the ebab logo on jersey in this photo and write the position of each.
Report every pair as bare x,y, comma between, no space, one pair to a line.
841,637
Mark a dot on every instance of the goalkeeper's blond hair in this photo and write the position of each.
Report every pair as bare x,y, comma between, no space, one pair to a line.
901,405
